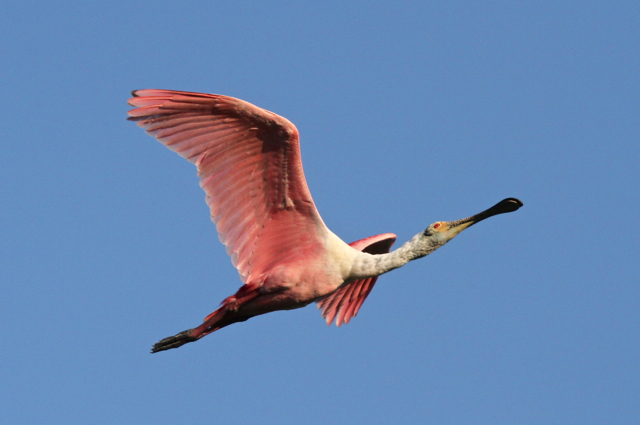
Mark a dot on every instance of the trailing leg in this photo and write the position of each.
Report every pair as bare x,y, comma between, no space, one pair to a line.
226,315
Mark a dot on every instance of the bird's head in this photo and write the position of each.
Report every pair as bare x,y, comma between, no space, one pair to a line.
441,232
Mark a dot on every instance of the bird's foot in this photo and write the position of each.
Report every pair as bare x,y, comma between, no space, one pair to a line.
174,341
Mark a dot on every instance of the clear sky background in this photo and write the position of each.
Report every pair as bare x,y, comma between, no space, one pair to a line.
409,113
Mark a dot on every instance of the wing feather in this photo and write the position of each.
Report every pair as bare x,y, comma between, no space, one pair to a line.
344,303
248,161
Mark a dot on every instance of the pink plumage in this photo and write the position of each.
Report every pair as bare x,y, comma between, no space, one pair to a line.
248,161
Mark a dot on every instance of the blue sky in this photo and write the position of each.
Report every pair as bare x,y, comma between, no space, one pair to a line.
409,113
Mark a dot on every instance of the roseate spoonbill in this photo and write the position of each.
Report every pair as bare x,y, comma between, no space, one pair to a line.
248,161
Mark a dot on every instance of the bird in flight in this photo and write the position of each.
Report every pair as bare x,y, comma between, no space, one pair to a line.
248,161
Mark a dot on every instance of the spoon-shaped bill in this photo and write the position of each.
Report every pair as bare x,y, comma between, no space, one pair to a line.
505,206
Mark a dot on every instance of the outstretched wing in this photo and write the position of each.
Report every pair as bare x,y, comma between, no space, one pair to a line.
249,165
344,303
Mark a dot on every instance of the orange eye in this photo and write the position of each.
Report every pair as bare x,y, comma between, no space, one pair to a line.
437,225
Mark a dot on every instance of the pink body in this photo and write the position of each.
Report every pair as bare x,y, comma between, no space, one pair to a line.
248,161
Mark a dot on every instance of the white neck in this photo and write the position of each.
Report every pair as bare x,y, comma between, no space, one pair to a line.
367,265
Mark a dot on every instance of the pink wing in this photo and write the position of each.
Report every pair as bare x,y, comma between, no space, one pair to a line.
249,165
344,303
